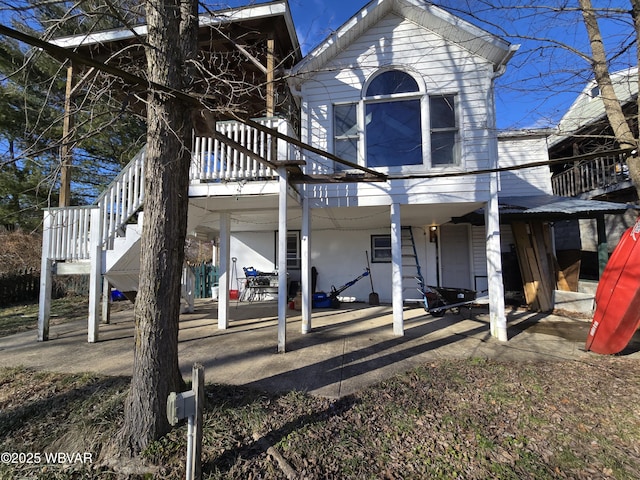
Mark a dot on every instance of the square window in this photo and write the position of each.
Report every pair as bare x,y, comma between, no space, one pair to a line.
381,248
443,146
442,112
393,133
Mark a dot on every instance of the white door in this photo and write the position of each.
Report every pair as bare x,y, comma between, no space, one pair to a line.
455,261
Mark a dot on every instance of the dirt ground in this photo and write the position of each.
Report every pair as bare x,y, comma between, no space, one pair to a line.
470,419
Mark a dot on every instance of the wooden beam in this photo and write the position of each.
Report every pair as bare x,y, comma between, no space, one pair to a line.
335,178
66,148
521,238
271,63
545,264
534,265
304,146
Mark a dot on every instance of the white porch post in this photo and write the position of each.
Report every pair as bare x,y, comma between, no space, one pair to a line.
95,274
282,261
223,271
305,253
497,318
106,301
46,280
396,270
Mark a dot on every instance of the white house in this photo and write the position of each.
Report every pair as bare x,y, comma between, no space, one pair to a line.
396,144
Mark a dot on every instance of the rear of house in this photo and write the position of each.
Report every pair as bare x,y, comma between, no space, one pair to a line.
389,160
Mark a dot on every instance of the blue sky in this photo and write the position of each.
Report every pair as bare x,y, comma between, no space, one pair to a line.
540,82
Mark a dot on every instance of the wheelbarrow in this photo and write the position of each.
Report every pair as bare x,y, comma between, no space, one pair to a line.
437,300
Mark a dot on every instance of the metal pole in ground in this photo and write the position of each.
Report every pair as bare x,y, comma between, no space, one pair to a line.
198,388
189,405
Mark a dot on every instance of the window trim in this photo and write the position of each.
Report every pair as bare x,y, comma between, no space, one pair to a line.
458,153
358,137
374,249
297,261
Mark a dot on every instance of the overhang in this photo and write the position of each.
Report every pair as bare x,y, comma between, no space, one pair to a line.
262,18
546,208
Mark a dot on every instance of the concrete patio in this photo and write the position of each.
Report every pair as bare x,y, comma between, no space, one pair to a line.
347,350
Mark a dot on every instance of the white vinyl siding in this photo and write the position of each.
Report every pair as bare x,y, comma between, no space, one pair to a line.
444,69
514,151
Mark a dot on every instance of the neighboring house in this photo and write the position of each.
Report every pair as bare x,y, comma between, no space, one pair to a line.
595,169
396,166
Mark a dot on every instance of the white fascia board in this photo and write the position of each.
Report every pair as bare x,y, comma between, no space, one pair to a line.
422,13
100,37
331,45
226,16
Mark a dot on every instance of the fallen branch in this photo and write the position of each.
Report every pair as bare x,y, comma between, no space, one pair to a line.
282,463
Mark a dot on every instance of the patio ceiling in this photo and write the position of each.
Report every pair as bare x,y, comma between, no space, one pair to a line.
260,213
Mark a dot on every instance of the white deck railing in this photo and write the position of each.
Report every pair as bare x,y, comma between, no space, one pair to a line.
215,160
122,199
68,229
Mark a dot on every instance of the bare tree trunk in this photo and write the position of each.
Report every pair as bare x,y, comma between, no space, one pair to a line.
171,44
621,127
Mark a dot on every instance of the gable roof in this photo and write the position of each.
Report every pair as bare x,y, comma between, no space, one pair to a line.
454,29
588,107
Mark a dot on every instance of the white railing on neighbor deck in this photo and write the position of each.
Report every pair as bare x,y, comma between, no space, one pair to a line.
214,160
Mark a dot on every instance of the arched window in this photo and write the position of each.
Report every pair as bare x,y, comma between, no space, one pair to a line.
392,82
393,125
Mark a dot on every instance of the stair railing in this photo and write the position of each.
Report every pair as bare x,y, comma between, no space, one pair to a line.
66,233
212,160
122,199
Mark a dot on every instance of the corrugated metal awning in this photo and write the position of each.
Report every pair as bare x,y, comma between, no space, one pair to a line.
555,205
546,207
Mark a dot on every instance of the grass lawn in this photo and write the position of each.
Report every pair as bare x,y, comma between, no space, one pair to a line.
21,317
448,419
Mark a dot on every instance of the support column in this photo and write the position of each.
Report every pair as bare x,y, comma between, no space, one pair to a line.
106,301
95,275
305,253
66,147
271,64
223,271
396,271
46,280
282,261
497,318
603,249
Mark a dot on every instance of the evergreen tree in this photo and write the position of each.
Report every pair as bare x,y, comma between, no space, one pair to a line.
32,95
